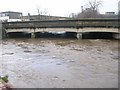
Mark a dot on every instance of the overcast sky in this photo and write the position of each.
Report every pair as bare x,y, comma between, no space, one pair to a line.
54,7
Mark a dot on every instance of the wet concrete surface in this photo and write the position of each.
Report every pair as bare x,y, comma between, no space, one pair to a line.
60,63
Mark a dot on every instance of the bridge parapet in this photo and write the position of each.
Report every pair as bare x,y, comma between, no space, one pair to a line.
81,23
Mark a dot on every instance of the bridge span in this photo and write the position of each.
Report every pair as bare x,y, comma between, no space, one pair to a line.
79,27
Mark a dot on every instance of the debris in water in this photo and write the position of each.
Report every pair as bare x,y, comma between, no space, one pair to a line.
27,51
4,78
8,54
58,64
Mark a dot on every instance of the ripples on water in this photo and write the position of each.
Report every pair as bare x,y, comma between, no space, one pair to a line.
60,62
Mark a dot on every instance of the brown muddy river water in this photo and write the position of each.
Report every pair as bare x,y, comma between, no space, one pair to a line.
60,63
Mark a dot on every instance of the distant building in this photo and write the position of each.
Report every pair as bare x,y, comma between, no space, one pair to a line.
10,16
110,13
42,17
119,7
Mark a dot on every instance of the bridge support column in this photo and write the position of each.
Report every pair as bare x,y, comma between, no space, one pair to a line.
33,34
117,36
79,35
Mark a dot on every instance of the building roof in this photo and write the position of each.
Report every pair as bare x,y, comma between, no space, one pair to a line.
11,12
44,17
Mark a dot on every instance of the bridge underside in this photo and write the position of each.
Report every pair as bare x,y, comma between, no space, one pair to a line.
112,30
86,33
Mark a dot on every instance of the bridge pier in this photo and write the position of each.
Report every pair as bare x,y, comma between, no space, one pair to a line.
33,34
117,36
79,35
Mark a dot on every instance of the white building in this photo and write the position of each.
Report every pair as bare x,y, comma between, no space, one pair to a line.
10,16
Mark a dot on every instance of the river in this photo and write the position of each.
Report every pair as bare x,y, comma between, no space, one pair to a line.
60,63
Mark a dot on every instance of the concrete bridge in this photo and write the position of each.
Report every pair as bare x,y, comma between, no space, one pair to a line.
78,27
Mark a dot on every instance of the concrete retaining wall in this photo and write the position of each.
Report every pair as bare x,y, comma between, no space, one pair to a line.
2,31
1,36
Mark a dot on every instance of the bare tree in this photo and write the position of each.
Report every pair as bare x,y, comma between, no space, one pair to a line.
38,11
94,5
92,9
41,13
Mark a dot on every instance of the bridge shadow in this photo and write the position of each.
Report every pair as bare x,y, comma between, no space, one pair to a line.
98,35
18,35
55,35
71,35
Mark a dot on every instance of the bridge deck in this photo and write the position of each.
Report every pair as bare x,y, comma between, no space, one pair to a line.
81,23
